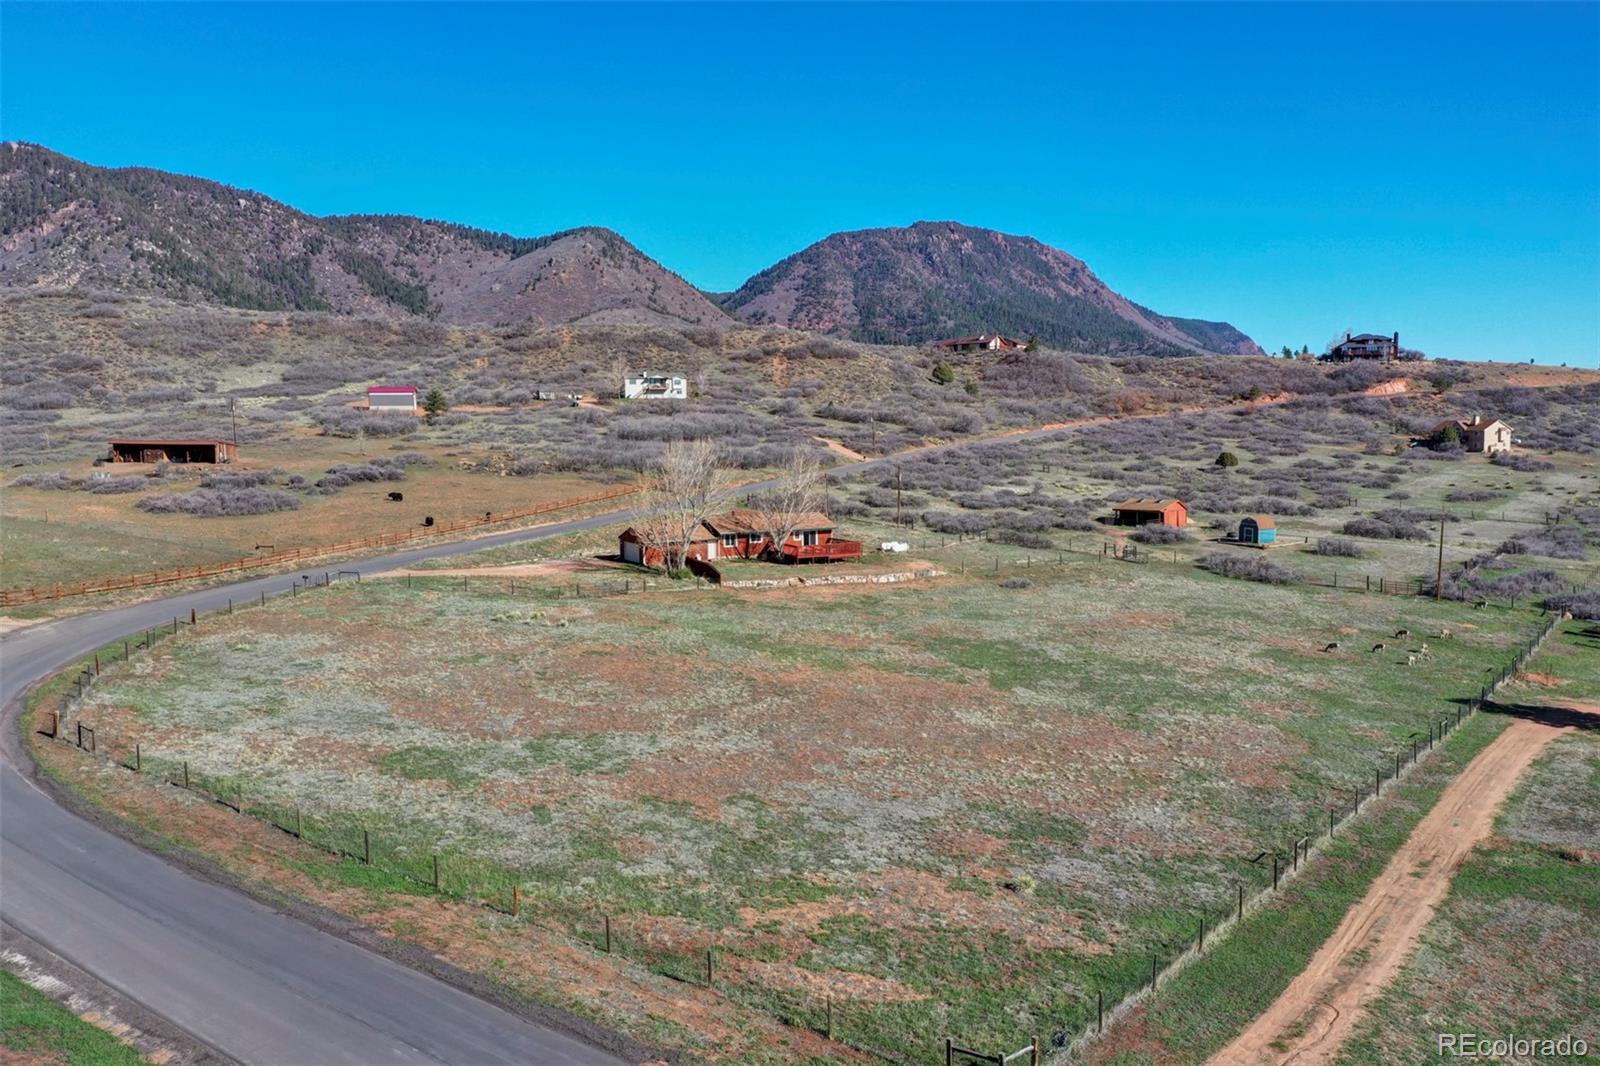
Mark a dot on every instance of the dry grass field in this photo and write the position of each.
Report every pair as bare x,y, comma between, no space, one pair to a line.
49,535
1513,949
954,806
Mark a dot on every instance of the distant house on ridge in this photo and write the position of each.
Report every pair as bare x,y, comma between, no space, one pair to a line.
1365,346
991,342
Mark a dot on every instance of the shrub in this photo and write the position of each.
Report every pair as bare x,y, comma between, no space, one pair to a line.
1016,583
1390,524
242,479
1227,459
1471,496
1157,534
1585,605
1525,463
1554,542
113,486
56,481
1021,539
349,422
1337,546
1248,568
215,503
944,373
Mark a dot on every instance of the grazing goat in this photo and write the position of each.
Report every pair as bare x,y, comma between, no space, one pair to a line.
1401,633
1332,646
1424,649
1411,660
1444,634
1379,646
1480,605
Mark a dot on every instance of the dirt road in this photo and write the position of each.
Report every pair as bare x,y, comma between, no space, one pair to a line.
1311,1019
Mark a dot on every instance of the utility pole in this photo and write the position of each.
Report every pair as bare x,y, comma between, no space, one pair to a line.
233,409
899,490
1438,580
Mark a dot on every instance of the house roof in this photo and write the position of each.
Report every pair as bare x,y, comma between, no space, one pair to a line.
1476,422
650,532
1366,338
144,440
412,389
1262,521
1147,505
749,520
982,338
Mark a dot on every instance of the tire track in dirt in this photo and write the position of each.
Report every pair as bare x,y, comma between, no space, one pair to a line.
1310,1020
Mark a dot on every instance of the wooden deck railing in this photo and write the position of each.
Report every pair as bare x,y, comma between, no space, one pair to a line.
42,593
833,549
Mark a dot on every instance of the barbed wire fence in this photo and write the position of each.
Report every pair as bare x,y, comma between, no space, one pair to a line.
418,861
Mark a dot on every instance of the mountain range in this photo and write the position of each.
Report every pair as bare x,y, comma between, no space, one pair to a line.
138,230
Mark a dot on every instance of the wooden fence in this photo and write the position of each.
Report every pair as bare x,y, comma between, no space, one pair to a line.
42,593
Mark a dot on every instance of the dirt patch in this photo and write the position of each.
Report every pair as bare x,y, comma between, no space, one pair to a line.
1392,387
838,448
1310,1021
544,569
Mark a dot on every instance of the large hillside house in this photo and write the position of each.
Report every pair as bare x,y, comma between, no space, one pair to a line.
740,533
1477,434
1365,346
655,386
983,342
1150,512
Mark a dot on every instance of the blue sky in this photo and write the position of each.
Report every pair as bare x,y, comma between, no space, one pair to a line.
1296,169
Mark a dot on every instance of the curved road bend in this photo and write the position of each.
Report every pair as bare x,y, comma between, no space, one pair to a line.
254,984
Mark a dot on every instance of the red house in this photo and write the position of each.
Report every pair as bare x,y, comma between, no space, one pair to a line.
1151,512
642,549
740,534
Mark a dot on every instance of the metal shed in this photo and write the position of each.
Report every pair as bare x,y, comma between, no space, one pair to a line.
1257,529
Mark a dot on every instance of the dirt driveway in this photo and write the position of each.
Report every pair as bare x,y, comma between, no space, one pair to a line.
1311,1019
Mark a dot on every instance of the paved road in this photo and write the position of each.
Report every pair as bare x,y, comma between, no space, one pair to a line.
252,983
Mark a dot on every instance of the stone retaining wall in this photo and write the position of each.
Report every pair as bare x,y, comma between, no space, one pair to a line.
833,579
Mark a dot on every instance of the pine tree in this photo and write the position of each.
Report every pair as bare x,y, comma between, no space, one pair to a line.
435,404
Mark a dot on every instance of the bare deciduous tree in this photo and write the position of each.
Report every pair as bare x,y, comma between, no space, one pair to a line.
801,491
677,493
619,374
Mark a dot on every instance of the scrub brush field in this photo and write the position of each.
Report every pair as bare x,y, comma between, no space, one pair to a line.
961,805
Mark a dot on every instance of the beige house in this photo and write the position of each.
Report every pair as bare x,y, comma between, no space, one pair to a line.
1479,434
